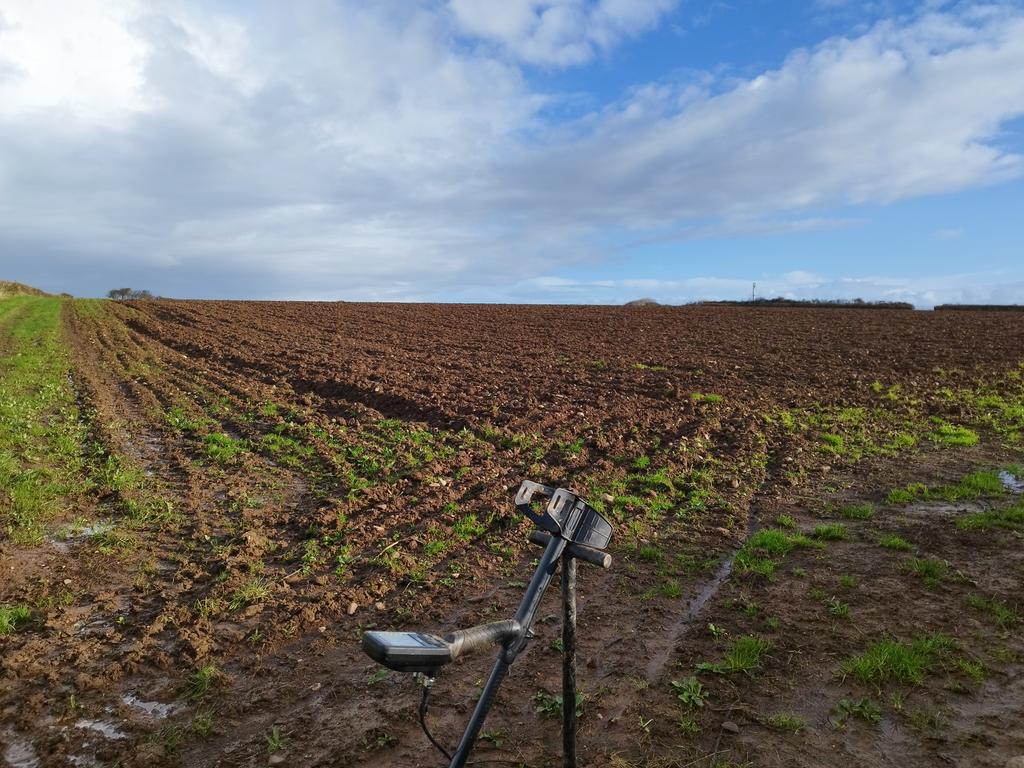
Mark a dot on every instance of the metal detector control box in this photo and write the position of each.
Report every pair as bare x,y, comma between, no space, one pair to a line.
407,651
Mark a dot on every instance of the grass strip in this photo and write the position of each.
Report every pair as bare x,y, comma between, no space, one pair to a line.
41,432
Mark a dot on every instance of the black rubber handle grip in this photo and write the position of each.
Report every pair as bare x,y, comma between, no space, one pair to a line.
592,556
466,640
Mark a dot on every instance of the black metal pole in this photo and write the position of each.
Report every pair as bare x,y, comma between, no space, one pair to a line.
498,672
525,616
568,661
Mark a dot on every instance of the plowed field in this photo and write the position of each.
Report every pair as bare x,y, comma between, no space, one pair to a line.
261,482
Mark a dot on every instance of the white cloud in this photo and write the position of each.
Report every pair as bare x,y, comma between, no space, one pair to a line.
556,32
352,149
78,57
898,112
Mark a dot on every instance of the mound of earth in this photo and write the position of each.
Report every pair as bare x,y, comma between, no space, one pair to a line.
9,288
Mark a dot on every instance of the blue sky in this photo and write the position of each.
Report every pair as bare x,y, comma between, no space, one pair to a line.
514,150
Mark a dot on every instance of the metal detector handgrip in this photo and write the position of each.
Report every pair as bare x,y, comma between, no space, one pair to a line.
578,551
466,640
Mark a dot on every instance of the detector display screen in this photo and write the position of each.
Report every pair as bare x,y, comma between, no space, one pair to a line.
407,651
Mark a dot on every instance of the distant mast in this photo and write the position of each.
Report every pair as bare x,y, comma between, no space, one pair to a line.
753,288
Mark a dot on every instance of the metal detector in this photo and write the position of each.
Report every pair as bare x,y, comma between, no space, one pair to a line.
569,529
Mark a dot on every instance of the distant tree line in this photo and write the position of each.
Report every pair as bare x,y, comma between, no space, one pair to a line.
129,294
825,303
982,307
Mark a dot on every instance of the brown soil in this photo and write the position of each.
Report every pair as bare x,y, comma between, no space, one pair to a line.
564,395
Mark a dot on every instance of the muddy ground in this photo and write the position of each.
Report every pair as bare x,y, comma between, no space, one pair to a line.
289,475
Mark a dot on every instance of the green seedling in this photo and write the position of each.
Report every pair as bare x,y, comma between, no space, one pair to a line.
837,607
550,705
276,740
495,736
199,682
864,708
690,691
254,591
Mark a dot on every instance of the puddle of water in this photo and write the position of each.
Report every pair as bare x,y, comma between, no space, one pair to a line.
93,529
77,534
152,708
19,752
659,659
107,730
1010,482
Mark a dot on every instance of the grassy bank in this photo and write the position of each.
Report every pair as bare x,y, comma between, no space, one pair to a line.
41,432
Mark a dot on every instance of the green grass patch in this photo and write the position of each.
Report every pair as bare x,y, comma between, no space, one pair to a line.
906,495
254,591
785,722
1009,517
762,552
11,616
976,485
745,654
42,467
898,543
952,434
890,661
703,397
930,570
829,532
857,512
1003,613
222,448
469,527
833,443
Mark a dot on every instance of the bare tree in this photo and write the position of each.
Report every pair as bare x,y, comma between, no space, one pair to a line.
127,294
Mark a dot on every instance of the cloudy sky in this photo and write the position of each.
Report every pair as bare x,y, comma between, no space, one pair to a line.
514,150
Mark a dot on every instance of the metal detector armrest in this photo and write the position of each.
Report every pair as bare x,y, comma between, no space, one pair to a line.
566,515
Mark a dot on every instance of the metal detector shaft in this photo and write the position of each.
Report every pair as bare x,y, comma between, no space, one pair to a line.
568,660
512,648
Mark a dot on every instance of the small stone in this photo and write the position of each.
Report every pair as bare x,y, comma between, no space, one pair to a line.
277,759
322,629
607,498
730,727
379,606
735,483
316,686
352,607
67,582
